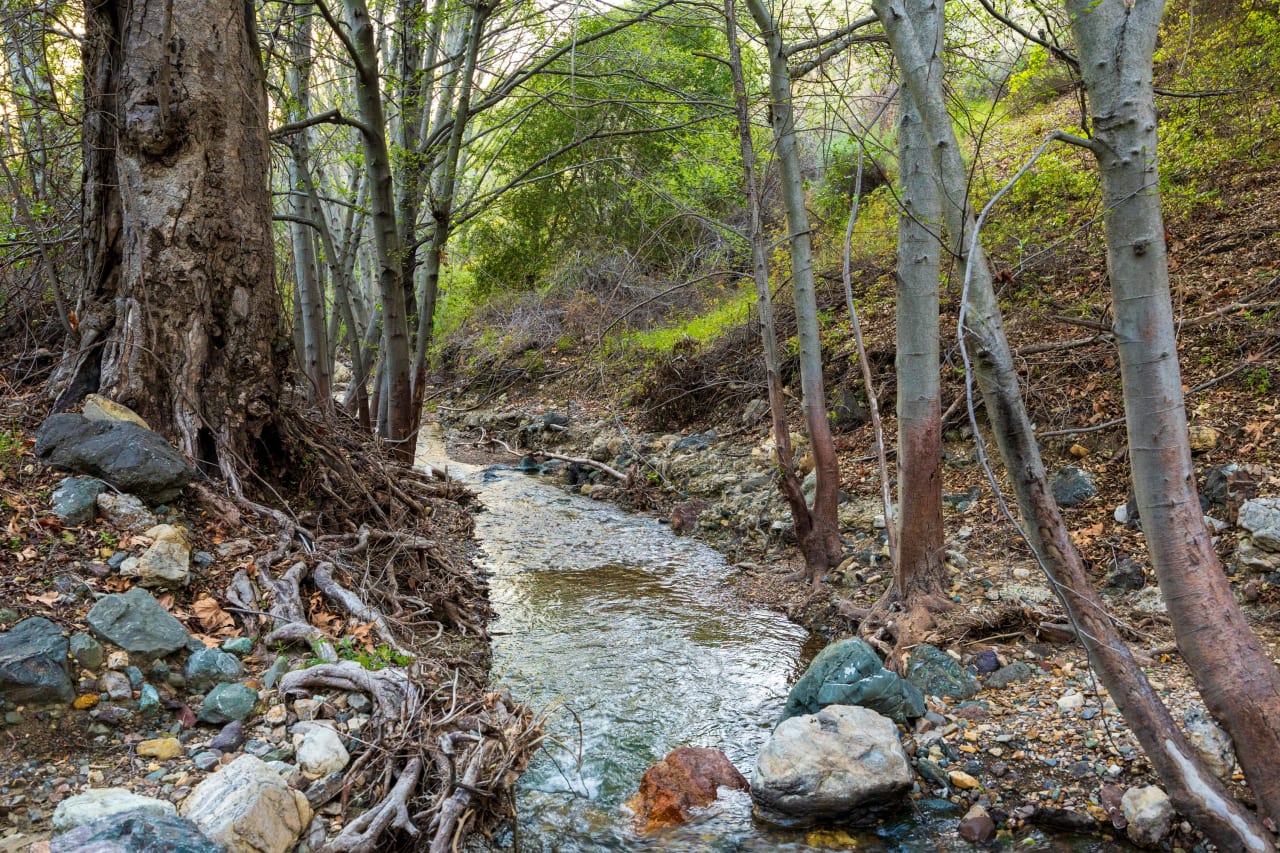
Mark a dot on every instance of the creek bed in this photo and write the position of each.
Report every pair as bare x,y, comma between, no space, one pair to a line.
629,638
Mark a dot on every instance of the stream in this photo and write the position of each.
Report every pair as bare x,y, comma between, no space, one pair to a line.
628,638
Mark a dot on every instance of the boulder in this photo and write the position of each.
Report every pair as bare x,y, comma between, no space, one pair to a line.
207,667
75,501
849,672
1250,556
936,673
125,511
129,457
247,807
33,664
227,702
98,803
321,752
135,832
1071,485
839,765
166,562
1149,813
135,621
688,778
98,408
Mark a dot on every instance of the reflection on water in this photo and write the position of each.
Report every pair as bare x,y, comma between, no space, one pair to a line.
626,633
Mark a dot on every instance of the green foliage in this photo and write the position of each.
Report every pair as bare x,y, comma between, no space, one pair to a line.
380,656
727,314
655,166
1258,380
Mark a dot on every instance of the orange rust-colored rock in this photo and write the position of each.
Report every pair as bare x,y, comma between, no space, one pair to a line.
688,778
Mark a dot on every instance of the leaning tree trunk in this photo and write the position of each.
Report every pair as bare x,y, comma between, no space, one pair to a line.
1239,682
821,548
179,316
1195,791
920,575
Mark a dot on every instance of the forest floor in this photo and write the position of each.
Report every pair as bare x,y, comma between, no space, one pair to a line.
438,657
1050,748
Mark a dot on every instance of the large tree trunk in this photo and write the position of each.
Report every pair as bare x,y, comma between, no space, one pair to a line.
920,575
821,547
1239,682
1195,791
179,313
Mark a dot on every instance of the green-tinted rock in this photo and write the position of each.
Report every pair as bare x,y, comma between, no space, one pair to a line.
75,501
87,651
936,673
1006,675
276,672
136,831
207,667
148,701
238,646
849,672
227,702
33,664
136,622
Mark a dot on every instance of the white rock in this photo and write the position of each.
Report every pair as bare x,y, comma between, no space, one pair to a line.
248,808
1149,812
1261,517
104,802
321,752
826,765
1071,701
1121,514
166,563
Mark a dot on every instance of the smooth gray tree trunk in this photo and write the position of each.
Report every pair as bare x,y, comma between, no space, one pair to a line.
1236,676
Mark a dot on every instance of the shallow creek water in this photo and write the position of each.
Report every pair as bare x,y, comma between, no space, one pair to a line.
628,636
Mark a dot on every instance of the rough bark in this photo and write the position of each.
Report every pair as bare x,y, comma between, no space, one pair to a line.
920,575
1239,682
1195,791
821,547
179,313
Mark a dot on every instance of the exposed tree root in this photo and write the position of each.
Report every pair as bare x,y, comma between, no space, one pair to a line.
363,834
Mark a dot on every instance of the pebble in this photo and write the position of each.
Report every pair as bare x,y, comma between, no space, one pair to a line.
230,738
1071,702
206,760
164,749
962,780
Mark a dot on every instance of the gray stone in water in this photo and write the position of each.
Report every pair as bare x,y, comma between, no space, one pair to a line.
135,621
207,667
936,673
135,832
1006,675
840,765
1071,485
33,664
849,672
75,501
227,702
87,651
98,803
130,458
